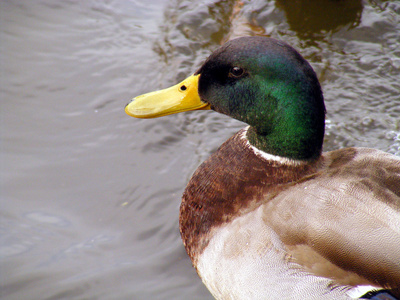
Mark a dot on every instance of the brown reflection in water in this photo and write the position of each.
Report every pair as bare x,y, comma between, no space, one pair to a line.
315,18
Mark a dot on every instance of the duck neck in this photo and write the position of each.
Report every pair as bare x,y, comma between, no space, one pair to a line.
290,120
293,144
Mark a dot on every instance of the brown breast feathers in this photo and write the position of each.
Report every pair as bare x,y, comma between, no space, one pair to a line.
233,181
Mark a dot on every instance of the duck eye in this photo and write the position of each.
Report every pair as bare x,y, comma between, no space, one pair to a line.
236,72
183,88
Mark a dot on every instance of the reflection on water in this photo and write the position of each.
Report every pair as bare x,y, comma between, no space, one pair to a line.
313,19
89,196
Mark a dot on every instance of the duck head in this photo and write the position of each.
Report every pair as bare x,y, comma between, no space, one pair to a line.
260,81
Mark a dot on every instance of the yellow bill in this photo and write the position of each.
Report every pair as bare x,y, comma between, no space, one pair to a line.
178,98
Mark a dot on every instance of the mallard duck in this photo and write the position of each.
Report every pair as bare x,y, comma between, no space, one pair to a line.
268,215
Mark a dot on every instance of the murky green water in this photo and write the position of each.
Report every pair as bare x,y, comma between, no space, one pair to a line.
90,196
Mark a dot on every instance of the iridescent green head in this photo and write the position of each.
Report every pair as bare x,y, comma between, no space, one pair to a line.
260,81
270,86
